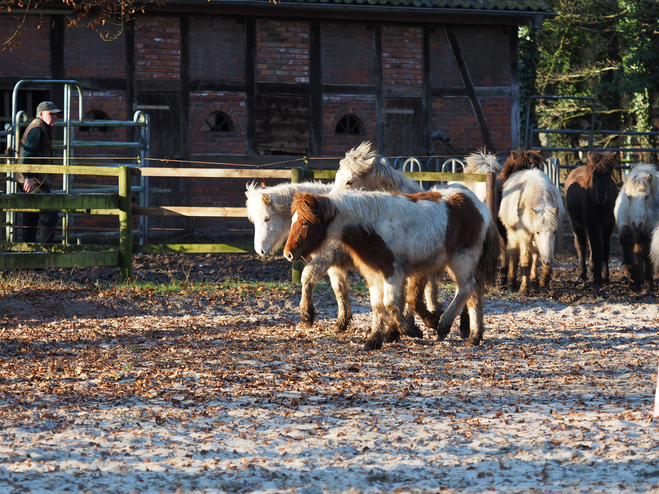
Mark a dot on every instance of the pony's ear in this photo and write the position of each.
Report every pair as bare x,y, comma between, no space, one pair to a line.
650,176
267,200
556,210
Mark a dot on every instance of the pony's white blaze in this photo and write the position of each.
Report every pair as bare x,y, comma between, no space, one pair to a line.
296,215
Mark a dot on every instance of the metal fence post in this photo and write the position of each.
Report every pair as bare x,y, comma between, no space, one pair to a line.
125,225
297,177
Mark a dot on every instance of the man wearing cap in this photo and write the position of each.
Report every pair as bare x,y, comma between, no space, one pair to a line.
37,143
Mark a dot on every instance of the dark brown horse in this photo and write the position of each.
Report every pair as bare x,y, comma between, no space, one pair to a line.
590,196
519,160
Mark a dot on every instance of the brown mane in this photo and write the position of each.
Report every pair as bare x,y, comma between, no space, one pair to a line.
603,162
518,160
311,208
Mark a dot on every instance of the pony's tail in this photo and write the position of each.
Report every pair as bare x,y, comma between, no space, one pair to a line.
488,263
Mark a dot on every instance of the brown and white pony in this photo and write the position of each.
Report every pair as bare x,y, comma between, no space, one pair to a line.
590,196
364,169
394,238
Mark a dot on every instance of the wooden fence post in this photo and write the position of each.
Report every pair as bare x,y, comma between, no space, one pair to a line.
297,176
125,225
491,194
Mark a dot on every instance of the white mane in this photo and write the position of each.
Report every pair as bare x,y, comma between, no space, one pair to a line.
280,197
631,206
482,162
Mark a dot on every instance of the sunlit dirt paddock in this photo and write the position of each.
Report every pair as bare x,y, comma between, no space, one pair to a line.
216,388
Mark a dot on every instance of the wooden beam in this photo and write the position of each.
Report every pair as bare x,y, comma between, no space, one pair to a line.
210,173
223,212
58,202
471,90
49,260
192,249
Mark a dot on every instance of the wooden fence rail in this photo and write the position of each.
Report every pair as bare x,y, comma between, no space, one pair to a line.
15,255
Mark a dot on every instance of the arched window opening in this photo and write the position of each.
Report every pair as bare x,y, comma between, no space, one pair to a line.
95,115
217,122
350,124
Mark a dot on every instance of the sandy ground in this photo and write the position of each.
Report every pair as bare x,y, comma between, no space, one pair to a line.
120,390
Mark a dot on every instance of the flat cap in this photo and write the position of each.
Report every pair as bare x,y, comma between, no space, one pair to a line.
47,106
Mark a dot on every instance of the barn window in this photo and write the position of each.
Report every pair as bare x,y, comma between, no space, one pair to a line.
350,124
217,122
95,115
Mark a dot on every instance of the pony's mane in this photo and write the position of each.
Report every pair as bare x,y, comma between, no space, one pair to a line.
482,162
538,193
280,196
638,178
603,162
519,160
362,161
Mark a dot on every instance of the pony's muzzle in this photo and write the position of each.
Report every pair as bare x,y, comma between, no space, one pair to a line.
289,255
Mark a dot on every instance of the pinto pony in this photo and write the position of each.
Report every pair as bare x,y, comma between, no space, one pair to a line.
394,238
269,209
637,214
531,210
590,196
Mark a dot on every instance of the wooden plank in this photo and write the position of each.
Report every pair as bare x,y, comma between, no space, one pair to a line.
192,249
60,169
44,260
210,173
446,177
320,174
190,211
58,202
55,248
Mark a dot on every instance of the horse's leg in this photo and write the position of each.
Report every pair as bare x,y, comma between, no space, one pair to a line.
525,258
379,317
310,276
339,279
512,252
647,267
475,308
580,244
392,295
431,295
416,287
607,231
465,285
627,243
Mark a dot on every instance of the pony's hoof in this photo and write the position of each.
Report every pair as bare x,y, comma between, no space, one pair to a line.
473,342
412,331
392,334
340,326
307,319
372,345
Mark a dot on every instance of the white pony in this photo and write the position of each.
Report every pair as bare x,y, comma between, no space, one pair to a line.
531,210
394,239
654,247
637,214
269,209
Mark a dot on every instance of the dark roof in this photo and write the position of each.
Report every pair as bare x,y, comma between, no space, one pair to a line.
538,6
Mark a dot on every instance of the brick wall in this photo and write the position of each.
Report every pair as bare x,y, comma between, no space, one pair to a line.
402,62
32,58
202,105
282,51
217,49
485,51
341,62
158,48
335,108
86,54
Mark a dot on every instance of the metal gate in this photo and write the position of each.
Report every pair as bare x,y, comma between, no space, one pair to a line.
69,144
